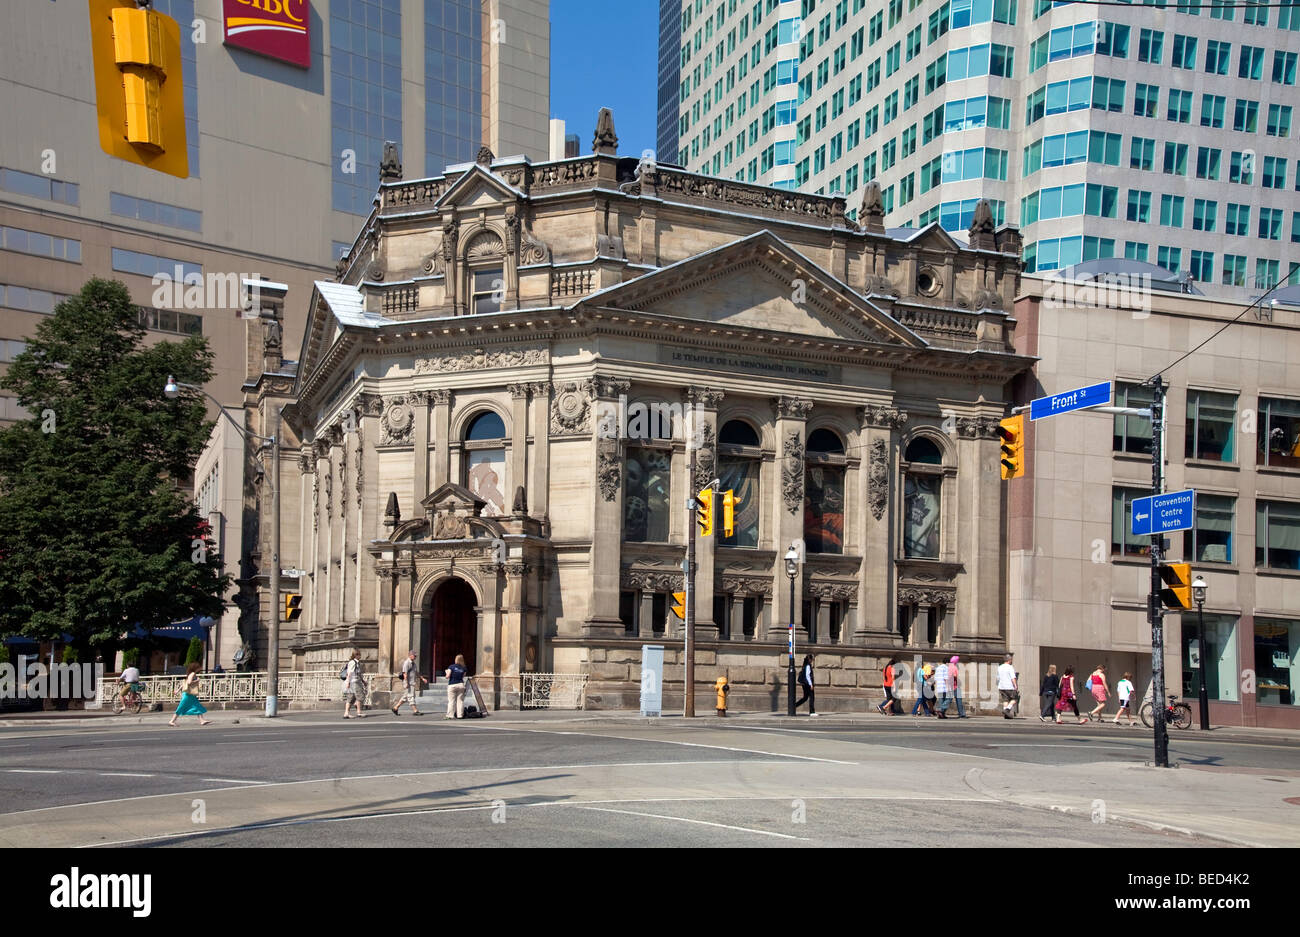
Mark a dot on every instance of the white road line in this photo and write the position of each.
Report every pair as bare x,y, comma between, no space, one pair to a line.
250,742
389,776
725,748
122,774
1053,745
32,771
233,781
658,816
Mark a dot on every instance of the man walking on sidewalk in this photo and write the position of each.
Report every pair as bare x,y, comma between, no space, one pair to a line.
1007,686
411,679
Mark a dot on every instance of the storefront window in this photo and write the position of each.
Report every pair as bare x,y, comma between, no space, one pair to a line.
1222,675
823,506
646,497
1210,421
1277,660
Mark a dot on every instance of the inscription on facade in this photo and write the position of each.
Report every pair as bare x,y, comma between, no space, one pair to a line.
749,364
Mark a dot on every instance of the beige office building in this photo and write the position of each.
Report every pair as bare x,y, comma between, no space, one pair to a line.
283,160
1079,579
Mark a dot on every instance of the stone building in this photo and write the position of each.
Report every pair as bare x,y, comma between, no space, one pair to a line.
496,395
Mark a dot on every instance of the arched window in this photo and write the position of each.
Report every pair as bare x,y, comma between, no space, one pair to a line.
739,459
485,460
648,478
922,498
823,505
485,258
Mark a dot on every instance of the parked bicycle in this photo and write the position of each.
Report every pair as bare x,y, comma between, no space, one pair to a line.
1178,715
132,700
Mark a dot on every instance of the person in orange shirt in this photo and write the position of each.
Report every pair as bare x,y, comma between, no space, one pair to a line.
890,674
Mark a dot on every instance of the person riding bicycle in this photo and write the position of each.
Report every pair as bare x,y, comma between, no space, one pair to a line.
129,682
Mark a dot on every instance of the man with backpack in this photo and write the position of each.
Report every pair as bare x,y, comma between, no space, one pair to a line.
411,679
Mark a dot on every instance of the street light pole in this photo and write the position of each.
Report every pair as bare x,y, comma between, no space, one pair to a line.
1199,587
791,569
171,390
1154,610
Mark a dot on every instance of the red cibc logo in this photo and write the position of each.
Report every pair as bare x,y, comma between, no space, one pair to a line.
274,28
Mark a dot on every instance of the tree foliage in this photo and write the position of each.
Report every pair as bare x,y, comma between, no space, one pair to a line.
95,535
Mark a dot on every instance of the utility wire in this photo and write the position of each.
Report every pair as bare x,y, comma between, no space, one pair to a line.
1290,273
1180,7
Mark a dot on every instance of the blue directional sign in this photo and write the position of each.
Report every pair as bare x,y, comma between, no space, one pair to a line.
1095,395
1162,514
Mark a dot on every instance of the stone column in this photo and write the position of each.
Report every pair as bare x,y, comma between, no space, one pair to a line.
440,399
540,489
607,510
877,590
978,485
737,632
385,580
320,530
704,401
645,618
518,474
369,508
513,623
420,443
787,506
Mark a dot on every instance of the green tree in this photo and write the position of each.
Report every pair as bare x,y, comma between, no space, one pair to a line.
194,655
95,535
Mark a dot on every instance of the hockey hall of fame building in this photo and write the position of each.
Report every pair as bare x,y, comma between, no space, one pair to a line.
490,400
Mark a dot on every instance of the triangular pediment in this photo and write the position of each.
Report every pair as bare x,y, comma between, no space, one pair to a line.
760,282
934,238
450,496
477,188
334,308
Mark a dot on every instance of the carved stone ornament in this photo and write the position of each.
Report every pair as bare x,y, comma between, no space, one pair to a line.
746,585
609,473
792,472
872,215
878,478
705,459
368,405
607,388
946,597
450,234
390,167
329,492
448,526
605,140
570,410
610,246
485,156
793,408
650,581
836,591
315,502
982,228
360,471
512,231
518,391
883,417
706,398
478,360
434,263
533,250
977,427
486,245
398,422
306,464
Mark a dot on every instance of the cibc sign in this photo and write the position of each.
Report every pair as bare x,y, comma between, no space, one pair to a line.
274,28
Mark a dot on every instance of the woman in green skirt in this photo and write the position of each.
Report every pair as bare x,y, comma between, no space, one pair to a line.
190,705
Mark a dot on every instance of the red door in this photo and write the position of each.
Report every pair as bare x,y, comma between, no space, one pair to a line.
453,627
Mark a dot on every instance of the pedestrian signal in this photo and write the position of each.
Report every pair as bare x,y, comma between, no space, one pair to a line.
1177,578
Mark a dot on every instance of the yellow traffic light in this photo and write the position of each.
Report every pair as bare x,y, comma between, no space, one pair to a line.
292,603
679,605
139,95
1177,577
704,512
729,502
1012,433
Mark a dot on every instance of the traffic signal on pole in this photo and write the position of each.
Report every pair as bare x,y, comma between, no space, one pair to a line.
679,605
292,606
1012,433
704,512
729,502
1177,578
139,95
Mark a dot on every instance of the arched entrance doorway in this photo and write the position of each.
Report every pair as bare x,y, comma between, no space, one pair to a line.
451,628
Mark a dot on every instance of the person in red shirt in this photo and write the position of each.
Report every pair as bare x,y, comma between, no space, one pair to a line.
890,675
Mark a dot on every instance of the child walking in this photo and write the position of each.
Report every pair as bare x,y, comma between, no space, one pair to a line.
1124,689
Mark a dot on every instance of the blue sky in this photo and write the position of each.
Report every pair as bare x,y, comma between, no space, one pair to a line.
606,54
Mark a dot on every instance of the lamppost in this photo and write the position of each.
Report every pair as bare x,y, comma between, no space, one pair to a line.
1199,588
172,390
791,570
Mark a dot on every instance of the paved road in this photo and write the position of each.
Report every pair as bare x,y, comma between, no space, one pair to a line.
511,780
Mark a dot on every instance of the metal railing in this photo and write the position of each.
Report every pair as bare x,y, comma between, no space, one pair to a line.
552,690
300,685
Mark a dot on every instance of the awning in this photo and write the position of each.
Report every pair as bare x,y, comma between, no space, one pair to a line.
184,630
